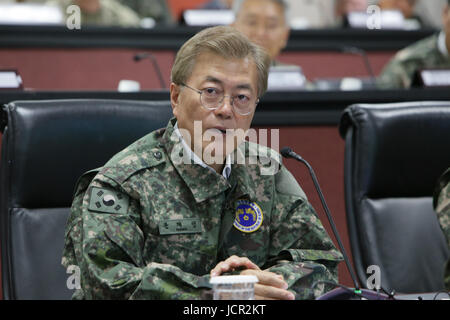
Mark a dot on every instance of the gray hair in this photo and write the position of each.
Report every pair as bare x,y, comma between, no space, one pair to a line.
226,42
237,4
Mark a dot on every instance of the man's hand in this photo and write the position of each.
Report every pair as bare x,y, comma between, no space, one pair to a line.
231,264
270,286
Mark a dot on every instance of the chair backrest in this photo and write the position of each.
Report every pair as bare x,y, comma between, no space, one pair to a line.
46,147
394,155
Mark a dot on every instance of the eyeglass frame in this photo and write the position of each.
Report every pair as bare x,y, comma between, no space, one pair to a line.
200,92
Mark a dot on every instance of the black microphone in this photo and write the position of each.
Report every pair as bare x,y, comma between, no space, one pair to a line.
363,54
289,153
147,55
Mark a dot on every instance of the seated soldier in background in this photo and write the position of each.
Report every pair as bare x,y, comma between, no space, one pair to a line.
344,7
265,23
441,203
158,10
431,52
217,4
406,7
177,207
101,12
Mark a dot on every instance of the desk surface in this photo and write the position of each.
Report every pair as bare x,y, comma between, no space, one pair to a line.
172,38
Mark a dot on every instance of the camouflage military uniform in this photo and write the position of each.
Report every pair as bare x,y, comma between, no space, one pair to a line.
399,72
442,207
169,223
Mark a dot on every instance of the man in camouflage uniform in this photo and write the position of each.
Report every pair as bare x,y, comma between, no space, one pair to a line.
157,221
431,52
441,202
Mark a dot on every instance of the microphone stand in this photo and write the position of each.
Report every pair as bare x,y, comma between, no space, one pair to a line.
363,54
288,153
140,56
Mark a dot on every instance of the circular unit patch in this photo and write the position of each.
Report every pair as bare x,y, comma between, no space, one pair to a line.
249,216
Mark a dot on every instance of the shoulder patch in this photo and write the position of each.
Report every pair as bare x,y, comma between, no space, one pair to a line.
108,201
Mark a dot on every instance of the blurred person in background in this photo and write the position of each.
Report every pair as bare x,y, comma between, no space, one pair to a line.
101,12
431,52
430,12
264,22
157,10
406,7
217,5
344,7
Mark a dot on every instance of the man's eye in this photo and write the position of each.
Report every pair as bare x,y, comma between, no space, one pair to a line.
242,98
251,23
211,91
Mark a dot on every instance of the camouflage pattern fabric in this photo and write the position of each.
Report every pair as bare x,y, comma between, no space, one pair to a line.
442,207
156,9
399,72
145,226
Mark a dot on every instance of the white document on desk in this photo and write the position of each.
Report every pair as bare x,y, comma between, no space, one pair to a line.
286,78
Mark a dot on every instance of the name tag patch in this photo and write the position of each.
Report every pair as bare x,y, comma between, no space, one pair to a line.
178,226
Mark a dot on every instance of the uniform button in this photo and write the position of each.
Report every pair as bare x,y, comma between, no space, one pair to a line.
157,155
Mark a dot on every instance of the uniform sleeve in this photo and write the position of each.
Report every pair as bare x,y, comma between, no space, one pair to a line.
394,76
301,249
441,204
107,247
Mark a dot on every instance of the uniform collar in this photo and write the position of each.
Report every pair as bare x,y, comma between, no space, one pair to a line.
202,182
227,168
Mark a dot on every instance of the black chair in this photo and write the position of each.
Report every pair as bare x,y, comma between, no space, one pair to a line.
394,155
46,147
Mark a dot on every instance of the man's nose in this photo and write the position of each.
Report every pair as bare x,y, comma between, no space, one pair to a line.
225,109
260,32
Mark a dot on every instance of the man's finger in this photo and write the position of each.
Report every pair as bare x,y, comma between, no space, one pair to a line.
270,285
267,278
231,264
264,292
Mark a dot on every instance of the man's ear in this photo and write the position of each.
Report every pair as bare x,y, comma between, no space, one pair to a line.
174,97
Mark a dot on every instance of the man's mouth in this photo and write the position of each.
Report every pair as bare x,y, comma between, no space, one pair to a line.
221,130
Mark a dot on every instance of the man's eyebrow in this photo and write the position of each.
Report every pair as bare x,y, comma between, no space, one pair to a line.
217,81
213,79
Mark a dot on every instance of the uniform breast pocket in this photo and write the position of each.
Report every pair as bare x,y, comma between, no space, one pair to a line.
183,243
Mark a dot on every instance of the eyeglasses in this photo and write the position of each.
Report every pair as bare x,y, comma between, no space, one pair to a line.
212,99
